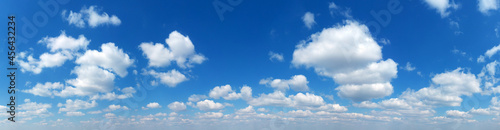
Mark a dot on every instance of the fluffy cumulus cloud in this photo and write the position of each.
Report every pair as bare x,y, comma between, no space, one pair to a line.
152,105
447,89
209,105
126,93
177,106
365,91
300,101
457,114
30,110
44,90
170,78
110,57
443,7
308,19
349,54
114,107
180,49
228,93
62,48
90,81
95,70
90,16
296,83
486,5
196,98
74,105
210,115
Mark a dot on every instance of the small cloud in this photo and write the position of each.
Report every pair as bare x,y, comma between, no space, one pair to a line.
90,16
276,56
480,59
308,19
385,41
337,10
409,67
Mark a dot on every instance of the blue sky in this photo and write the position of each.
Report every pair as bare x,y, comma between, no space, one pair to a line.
394,64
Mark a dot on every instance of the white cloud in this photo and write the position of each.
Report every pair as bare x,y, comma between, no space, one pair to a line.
170,78
177,106
349,55
44,90
62,48
126,93
337,10
365,92
277,98
447,89
209,105
114,107
442,6
300,100
196,98
248,109
220,91
74,105
65,43
95,112
486,5
30,109
342,48
408,67
308,19
262,110
90,16
307,100
276,56
366,104
457,114
480,59
74,113
90,81
180,49
296,83
109,115
495,105
300,113
161,114
492,51
377,72
385,41
228,93
211,115
481,111
110,57
153,105
246,93
395,103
